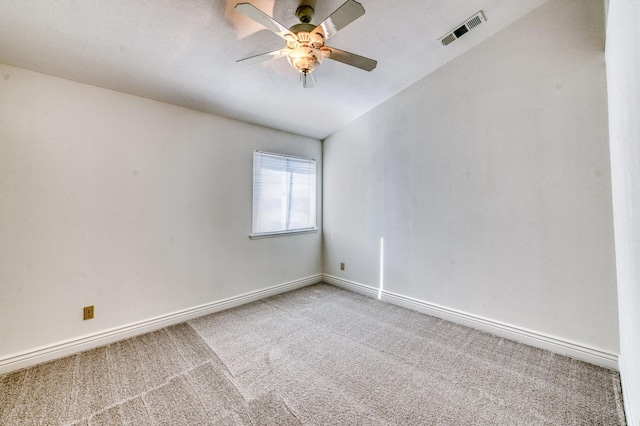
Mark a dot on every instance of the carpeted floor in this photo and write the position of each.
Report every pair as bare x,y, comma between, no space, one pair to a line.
318,355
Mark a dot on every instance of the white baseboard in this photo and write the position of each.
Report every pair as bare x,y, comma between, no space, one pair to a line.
533,338
90,341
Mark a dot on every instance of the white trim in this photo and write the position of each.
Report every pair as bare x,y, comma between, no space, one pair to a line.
281,233
519,334
275,154
101,338
627,401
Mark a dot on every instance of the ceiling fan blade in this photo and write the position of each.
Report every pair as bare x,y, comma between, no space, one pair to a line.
250,11
350,58
340,18
263,57
308,80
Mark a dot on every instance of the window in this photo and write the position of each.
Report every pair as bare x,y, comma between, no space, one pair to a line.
284,194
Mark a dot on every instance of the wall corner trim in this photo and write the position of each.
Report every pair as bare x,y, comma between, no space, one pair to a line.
534,338
71,346
628,409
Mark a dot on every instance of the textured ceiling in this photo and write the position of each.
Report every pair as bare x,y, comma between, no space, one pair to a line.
184,52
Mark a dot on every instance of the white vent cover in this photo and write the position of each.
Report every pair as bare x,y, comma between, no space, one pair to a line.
462,29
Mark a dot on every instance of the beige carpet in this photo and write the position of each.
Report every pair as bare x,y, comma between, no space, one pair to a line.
318,355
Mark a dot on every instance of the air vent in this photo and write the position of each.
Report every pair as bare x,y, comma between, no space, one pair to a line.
462,29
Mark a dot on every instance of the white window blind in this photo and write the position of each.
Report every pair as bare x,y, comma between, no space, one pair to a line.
284,194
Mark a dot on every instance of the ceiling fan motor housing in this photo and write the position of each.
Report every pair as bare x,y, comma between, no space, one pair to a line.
304,36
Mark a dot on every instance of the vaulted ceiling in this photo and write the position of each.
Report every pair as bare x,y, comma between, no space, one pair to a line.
185,52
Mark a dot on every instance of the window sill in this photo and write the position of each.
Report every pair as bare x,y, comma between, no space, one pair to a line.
282,233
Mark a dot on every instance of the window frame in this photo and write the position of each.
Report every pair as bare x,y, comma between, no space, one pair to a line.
313,187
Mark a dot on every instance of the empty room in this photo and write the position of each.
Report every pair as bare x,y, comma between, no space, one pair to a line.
319,212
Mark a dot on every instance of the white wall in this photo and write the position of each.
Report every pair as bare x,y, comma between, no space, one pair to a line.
623,78
489,182
137,207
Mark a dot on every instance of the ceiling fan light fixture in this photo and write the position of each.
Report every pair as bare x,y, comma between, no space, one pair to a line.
305,59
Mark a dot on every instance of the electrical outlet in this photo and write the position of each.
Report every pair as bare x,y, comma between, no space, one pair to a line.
87,312
342,266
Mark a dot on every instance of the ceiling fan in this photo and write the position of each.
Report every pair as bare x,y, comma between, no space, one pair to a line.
305,47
